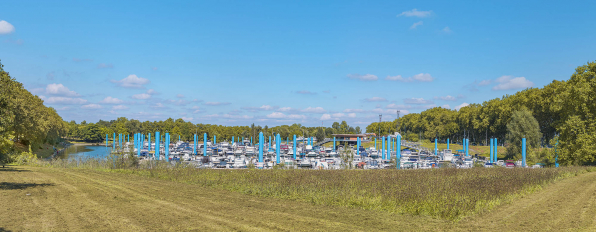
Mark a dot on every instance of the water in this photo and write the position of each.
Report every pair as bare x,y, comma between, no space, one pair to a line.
84,152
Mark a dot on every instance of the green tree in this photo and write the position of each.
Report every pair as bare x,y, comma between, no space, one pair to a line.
522,125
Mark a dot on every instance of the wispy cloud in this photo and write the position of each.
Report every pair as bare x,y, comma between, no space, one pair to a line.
353,110
120,107
111,100
314,110
81,60
417,101
446,30
64,100
279,115
216,103
415,13
14,41
416,24
262,108
132,81
366,77
449,98
146,95
375,99
306,92
104,65
421,77
91,106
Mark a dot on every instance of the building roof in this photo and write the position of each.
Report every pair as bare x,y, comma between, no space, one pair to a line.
350,135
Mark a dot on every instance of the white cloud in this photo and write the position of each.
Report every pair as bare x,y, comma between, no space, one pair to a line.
416,24
266,107
296,116
510,82
485,82
179,102
325,117
314,110
64,100
446,106
462,105
395,106
446,98
154,68
279,115
91,106
120,107
395,78
384,111
187,118
102,65
180,95
284,109
353,110
367,77
141,96
417,101
132,81
158,105
415,13
305,92
111,100
59,89
231,116
147,95
216,103
447,30
422,77
276,115
338,115
352,115
262,108
6,27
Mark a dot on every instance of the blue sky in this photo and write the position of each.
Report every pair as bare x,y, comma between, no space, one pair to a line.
281,62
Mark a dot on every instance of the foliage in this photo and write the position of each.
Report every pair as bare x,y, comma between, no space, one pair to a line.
564,108
522,125
26,157
24,119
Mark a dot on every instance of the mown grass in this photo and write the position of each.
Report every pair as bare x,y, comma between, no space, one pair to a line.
441,193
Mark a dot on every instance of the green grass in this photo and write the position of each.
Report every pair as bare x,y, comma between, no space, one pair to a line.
442,193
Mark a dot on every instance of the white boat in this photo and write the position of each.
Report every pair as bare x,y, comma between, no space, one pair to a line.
305,163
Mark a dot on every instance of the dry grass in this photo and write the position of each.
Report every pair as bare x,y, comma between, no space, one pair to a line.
59,199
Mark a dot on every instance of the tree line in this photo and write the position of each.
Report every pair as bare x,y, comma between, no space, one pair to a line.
565,112
96,132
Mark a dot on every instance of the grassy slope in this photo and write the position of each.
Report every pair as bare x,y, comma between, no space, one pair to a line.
73,199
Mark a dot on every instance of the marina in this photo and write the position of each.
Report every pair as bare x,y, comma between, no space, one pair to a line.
387,152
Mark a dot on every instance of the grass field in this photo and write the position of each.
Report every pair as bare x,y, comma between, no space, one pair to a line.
35,198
